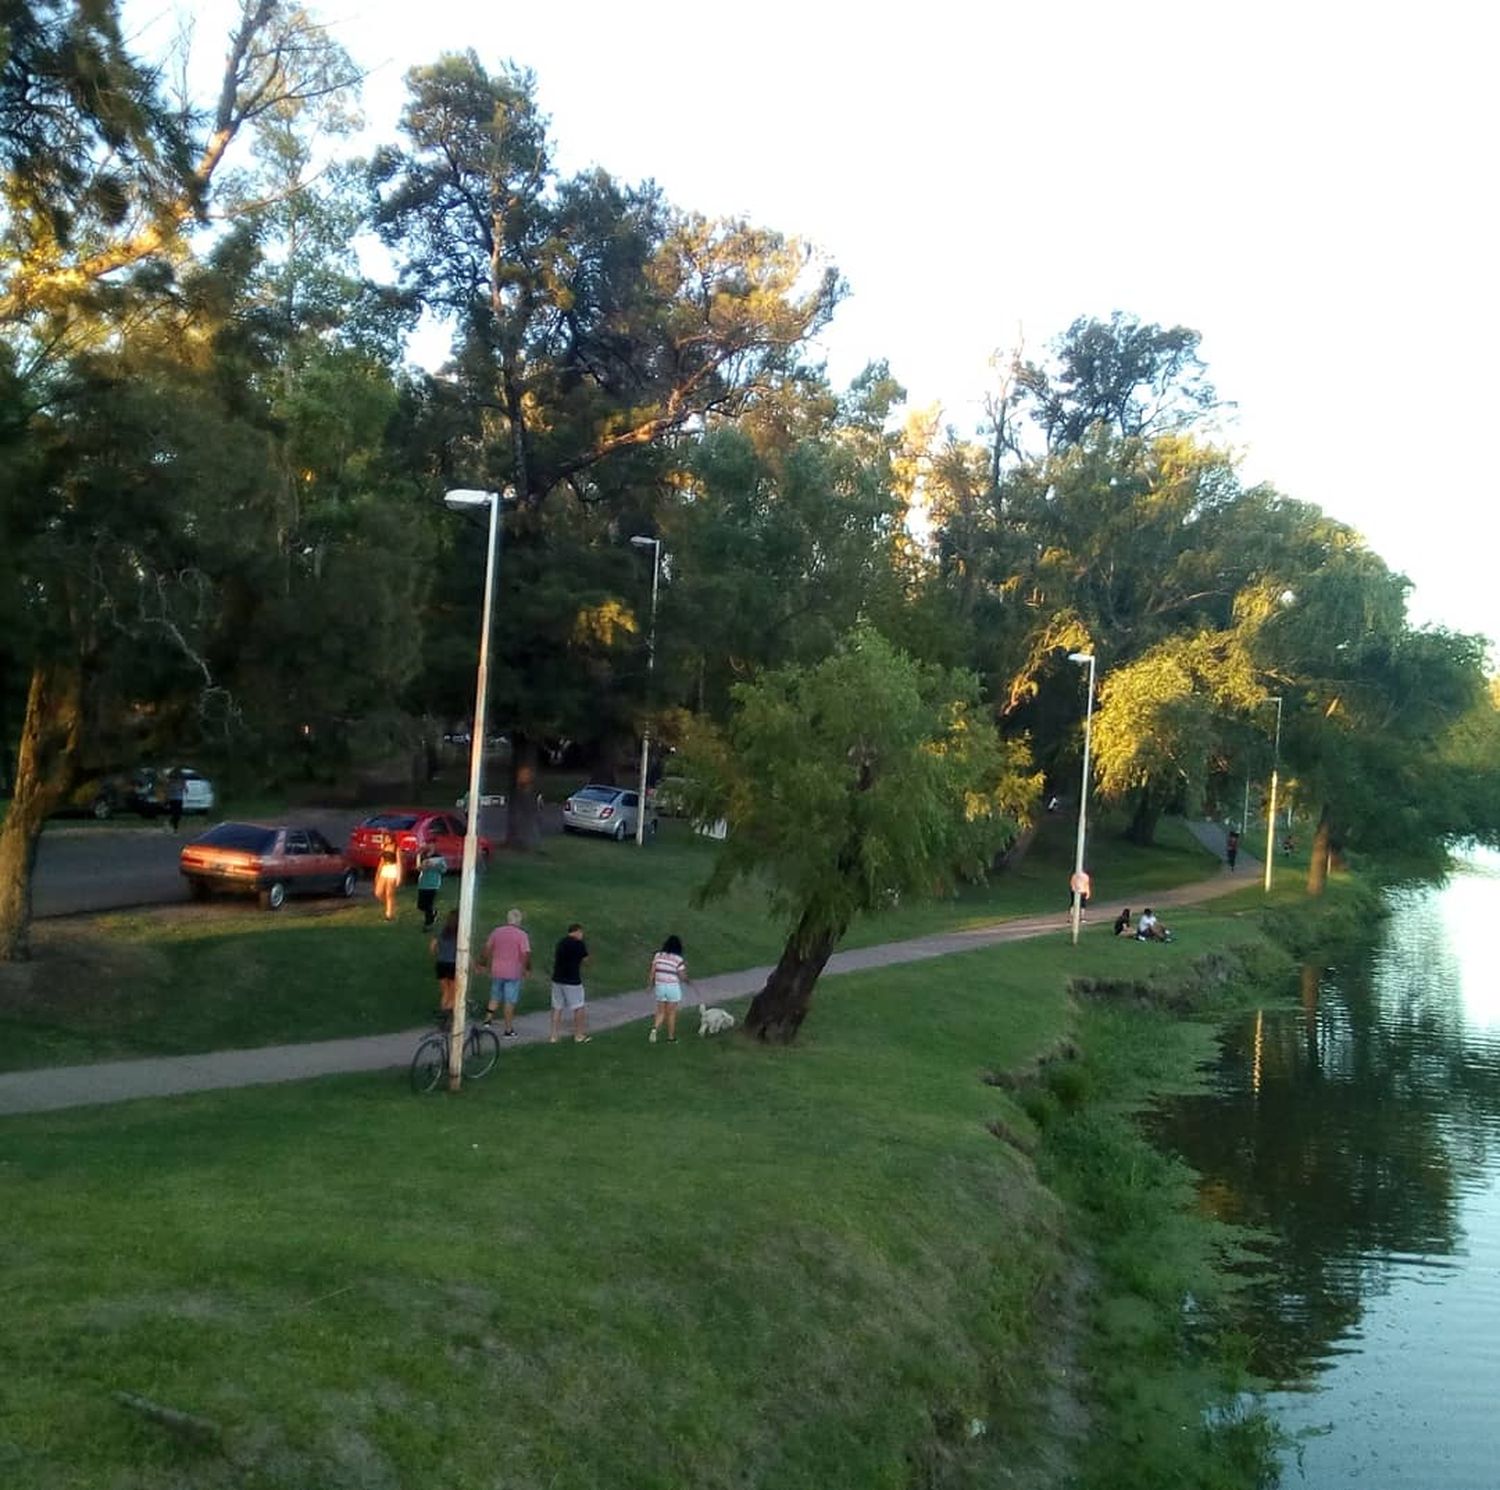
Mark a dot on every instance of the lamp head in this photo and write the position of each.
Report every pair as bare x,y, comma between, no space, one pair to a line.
465,500
641,541
1080,656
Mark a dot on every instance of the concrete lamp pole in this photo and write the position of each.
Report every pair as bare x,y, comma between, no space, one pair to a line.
472,501
1083,793
1271,810
654,544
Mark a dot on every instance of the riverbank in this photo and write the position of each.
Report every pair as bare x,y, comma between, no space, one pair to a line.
709,1264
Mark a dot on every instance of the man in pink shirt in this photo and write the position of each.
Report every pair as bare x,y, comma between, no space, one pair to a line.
507,957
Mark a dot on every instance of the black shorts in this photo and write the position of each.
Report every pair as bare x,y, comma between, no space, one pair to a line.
447,970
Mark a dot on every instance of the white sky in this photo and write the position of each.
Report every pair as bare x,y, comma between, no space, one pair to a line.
1310,185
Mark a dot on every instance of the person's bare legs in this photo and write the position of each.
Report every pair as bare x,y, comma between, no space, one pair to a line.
581,1023
556,1023
671,1020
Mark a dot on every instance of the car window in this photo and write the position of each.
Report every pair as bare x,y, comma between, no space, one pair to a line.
391,822
318,843
630,799
296,841
597,794
249,838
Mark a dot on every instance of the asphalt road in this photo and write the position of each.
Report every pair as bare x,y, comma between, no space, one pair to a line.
83,867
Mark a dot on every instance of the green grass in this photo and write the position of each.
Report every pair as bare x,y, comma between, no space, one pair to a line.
191,978
704,1265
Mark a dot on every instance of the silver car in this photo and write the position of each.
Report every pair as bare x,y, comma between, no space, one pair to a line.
606,809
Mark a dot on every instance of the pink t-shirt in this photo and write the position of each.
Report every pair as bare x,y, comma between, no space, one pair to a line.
507,951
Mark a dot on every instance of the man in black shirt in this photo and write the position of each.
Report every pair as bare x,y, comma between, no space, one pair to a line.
567,984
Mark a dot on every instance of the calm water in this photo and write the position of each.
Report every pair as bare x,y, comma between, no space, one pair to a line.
1362,1131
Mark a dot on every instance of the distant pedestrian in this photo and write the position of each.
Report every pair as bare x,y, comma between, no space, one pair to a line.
444,948
567,984
176,792
1122,923
388,880
431,867
668,974
1080,885
1232,848
507,959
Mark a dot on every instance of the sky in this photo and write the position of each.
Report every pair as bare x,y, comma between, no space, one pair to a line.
1309,185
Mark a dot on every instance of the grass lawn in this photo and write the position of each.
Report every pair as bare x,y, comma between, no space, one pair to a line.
627,1265
173,980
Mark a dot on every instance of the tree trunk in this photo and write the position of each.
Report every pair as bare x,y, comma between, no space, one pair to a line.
777,1011
45,765
1143,822
1317,865
523,818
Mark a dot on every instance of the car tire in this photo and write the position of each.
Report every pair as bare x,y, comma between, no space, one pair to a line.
103,809
619,833
273,897
349,884
569,828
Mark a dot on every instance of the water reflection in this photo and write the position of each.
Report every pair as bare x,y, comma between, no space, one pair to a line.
1359,1130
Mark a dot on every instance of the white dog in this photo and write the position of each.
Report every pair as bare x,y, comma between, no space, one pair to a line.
714,1021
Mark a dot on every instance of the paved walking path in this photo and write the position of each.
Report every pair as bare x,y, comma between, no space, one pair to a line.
58,1087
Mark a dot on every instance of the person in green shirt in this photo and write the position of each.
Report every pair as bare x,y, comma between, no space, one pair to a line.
431,867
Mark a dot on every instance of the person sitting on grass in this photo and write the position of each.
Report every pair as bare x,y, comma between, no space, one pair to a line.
1122,923
1150,929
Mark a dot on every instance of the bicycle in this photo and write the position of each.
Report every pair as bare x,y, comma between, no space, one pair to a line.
430,1063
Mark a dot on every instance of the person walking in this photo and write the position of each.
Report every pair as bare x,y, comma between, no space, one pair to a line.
567,985
1081,885
1232,848
507,958
388,879
176,792
444,949
431,867
668,974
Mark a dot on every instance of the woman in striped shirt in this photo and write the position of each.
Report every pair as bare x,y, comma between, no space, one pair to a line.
668,974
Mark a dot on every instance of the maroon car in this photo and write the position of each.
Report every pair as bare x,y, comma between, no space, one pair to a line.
271,861
410,830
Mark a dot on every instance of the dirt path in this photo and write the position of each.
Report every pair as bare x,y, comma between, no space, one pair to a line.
58,1087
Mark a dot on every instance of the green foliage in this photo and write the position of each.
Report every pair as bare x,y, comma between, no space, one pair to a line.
856,781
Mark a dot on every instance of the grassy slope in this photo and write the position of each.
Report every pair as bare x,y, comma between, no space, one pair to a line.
191,978
694,1266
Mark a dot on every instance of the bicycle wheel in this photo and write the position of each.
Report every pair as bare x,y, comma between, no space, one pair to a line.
481,1051
429,1063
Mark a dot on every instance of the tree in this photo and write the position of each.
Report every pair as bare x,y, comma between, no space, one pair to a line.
849,784
592,325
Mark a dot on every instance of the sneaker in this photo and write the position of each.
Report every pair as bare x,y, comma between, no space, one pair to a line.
582,1039
552,1039
651,1038
506,1034
671,1039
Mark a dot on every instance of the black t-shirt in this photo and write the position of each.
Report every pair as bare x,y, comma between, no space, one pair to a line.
567,961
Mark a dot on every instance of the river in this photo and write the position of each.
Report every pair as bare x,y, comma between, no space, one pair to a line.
1361,1133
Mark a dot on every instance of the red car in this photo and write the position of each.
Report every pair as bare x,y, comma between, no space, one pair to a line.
269,861
412,829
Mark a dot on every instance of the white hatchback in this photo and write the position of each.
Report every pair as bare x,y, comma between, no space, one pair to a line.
612,810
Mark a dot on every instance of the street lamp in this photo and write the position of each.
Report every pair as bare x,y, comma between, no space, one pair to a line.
472,501
1271,810
654,544
1083,793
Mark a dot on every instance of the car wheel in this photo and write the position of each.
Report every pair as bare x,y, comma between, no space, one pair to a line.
273,897
620,831
103,808
349,883
569,828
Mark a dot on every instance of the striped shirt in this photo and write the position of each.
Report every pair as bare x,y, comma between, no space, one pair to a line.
667,970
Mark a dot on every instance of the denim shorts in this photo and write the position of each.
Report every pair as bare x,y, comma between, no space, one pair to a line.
567,996
505,990
668,993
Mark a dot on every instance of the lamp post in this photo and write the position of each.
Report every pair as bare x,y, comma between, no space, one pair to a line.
654,544
1271,809
1083,793
471,501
